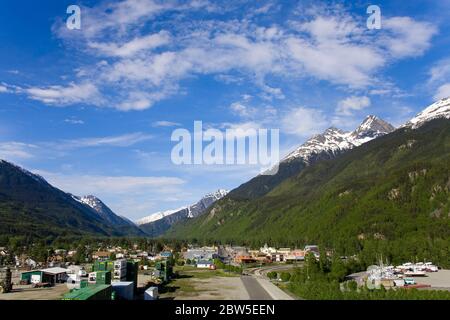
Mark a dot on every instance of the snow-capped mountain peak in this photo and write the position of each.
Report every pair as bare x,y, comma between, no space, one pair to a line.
92,201
158,216
372,127
190,211
334,141
439,109
102,210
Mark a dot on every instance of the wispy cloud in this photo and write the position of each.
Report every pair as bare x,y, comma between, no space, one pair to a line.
439,79
351,104
65,95
164,123
408,38
143,193
16,151
327,45
304,122
125,140
73,121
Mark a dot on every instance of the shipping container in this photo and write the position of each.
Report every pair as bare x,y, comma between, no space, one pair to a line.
91,292
151,293
26,276
103,277
124,290
132,273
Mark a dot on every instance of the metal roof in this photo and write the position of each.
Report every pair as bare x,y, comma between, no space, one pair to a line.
55,270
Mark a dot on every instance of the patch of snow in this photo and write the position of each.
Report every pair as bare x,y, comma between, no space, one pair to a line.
439,109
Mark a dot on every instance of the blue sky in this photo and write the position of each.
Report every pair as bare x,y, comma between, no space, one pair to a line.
92,110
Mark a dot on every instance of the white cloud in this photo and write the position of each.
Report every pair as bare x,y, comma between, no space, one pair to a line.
65,95
335,50
242,129
442,92
439,79
440,72
409,38
241,109
132,47
353,103
143,193
125,140
92,184
16,151
74,121
304,122
164,123
3,89
332,47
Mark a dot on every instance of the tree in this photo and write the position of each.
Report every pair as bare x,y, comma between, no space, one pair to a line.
285,276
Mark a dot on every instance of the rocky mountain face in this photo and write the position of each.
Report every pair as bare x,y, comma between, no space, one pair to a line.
335,141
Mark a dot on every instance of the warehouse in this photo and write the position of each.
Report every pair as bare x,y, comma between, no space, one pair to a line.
50,275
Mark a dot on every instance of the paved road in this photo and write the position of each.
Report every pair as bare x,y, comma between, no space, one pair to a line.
254,289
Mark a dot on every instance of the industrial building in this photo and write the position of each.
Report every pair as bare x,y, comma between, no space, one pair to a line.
50,275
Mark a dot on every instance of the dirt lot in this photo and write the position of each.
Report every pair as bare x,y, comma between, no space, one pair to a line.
29,293
205,285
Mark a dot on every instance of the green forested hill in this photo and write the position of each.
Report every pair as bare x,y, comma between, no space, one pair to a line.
31,207
391,195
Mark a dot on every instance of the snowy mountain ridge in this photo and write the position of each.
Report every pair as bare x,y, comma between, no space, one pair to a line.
334,140
190,211
439,109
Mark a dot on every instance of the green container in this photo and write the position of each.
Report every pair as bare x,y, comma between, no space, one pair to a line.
103,277
100,266
92,292
26,276
110,265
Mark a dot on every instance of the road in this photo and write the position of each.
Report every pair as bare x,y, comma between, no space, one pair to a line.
259,287
254,289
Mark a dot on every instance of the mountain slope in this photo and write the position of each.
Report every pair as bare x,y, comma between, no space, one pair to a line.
122,224
30,206
158,223
391,195
327,145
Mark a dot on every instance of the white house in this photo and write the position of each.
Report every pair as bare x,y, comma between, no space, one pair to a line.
203,264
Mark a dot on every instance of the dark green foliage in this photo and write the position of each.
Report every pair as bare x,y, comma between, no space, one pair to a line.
390,196
229,268
272,275
285,276
32,208
262,184
313,283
